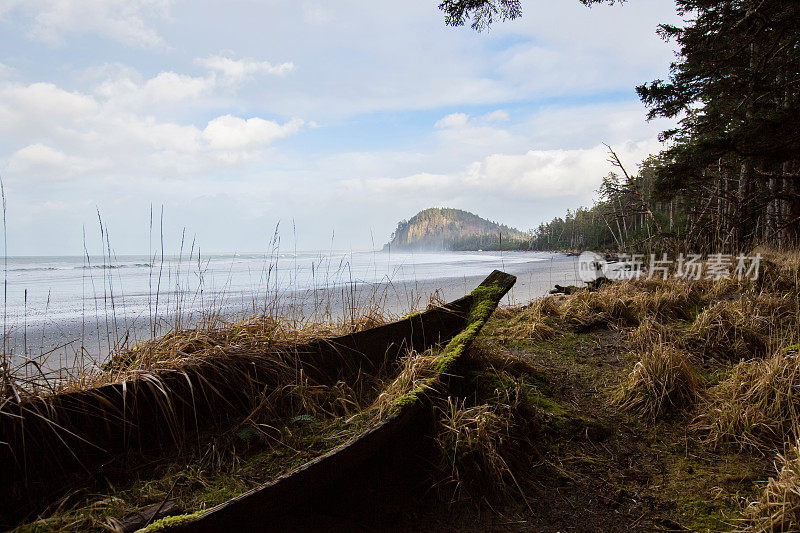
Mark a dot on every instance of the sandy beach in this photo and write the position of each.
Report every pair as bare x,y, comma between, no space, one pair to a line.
73,340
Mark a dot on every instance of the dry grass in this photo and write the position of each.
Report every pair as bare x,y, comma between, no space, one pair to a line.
651,332
257,335
779,270
778,508
668,300
758,405
629,303
415,369
533,322
743,328
608,306
664,380
479,447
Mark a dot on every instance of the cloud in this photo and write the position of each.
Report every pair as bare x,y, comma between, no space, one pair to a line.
496,116
454,120
58,132
44,162
234,133
533,175
461,135
166,88
126,21
28,111
123,86
237,70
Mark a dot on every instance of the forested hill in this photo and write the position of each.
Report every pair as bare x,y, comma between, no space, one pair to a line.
453,229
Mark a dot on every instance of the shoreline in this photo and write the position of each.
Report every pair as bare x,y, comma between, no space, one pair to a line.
73,343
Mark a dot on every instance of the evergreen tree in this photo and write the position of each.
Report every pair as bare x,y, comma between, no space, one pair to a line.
736,83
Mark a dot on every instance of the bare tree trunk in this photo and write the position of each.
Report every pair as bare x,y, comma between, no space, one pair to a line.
791,229
671,218
743,199
772,234
645,205
742,196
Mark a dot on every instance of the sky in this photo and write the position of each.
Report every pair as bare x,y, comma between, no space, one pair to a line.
331,121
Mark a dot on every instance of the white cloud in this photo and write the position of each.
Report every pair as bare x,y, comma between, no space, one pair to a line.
58,132
123,86
166,88
236,70
125,21
31,110
44,162
461,135
533,175
234,133
454,120
496,116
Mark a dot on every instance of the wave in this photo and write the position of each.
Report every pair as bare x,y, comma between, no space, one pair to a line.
108,267
35,269
81,267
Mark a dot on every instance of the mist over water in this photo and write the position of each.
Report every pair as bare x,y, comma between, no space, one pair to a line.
58,304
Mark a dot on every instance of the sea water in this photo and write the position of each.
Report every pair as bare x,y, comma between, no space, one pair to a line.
92,304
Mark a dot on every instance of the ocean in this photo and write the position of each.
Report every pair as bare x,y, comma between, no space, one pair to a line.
60,308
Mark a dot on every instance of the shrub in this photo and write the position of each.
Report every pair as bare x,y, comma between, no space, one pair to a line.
663,380
758,405
778,509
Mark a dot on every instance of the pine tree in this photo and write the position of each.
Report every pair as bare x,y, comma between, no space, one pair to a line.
736,83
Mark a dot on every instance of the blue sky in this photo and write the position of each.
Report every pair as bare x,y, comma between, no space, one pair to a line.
340,118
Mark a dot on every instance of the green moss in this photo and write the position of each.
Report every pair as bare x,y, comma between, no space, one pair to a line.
216,494
169,522
570,344
494,387
688,479
413,395
484,302
545,403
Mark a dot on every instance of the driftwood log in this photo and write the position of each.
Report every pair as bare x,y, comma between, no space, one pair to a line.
45,442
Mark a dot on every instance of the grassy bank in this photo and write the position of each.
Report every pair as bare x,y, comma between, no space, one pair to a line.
650,405
645,405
